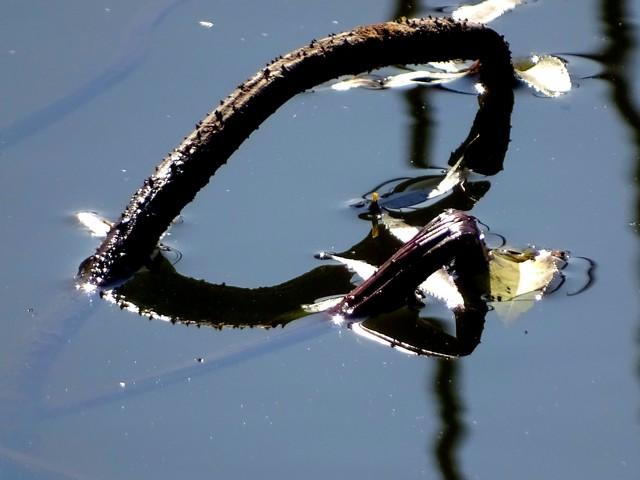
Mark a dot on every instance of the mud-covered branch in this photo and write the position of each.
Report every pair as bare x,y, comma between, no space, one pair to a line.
450,240
188,168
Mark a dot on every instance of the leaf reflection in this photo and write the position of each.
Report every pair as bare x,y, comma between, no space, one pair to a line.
547,75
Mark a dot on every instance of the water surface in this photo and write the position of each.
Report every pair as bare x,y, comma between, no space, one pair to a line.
96,94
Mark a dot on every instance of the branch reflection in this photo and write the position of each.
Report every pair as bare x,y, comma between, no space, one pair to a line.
446,444
159,291
616,57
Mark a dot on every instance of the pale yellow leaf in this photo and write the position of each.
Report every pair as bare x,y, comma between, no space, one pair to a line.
545,74
518,279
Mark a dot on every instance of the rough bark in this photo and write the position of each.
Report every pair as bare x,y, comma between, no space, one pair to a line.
188,167
452,240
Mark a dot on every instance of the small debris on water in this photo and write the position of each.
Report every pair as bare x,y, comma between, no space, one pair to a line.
205,24
199,359
122,384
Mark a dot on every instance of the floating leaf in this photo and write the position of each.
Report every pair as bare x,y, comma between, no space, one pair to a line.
433,74
420,192
403,200
518,279
546,74
97,226
454,176
484,12
516,273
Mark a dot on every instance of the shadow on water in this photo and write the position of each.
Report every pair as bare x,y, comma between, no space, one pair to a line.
616,56
130,56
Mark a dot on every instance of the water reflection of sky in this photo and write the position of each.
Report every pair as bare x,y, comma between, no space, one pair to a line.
555,395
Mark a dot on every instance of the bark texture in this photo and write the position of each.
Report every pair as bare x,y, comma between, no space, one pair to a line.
451,240
189,166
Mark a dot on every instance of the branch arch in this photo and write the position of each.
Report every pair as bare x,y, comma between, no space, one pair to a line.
188,168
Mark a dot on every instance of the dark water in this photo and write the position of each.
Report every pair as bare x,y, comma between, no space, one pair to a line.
94,95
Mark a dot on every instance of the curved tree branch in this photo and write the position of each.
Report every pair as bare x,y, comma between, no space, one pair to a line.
188,168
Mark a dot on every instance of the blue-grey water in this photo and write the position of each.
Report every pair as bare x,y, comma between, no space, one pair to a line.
93,94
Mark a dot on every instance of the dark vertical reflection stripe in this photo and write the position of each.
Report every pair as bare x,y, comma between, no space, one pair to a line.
444,385
421,127
451,432
617,58
416,100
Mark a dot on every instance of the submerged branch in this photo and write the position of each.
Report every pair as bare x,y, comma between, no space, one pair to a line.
188,168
